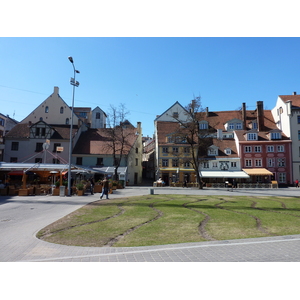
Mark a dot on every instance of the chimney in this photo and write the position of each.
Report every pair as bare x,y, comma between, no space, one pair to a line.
244,115
295,93
139,128
56,90
207,112
260,115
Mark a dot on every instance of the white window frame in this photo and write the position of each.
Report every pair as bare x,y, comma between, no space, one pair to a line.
251,136
248,162
248,149
280,148
257,149
258,162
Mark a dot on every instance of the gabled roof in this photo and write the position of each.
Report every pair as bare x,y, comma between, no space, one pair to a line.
96,141
170,108
22,131
294,98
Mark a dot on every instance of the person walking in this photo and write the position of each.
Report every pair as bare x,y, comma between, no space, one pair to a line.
105,188
297,183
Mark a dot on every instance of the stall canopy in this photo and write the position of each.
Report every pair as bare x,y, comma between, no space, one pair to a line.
258,172
223,174
18,168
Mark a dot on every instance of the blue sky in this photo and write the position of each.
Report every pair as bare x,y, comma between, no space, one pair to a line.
147,74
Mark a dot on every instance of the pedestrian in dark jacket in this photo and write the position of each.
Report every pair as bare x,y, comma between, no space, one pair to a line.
105,188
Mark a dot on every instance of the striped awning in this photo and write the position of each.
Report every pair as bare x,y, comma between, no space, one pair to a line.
258,172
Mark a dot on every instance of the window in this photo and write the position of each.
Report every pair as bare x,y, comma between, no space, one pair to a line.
55,147
174,162
214,164
37,131
254,125
67,121
228,151
282,177
56,161
281,162
270,148
2,122
43,131
248,149
298,119
248,163
252,136
186,149
165,149
165,162
280,148
61,110
205,165
258,163
239,126
136,150
38,160
1,133
233,164
99,161
83,114
212,151
46,109
136,162
257,148
271,162
79,161
175,149
275,135
175,114
186,164
13,159
299,135
39,147
15,146
231,126
97,115
203,125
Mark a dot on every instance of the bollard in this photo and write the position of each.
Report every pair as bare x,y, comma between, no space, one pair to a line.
151,191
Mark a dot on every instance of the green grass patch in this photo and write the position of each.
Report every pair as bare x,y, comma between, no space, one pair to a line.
167,219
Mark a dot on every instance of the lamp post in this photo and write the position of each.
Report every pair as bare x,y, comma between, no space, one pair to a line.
75,84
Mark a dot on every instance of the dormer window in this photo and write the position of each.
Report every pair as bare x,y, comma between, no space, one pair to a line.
252,136
203,125
275,135
254,125
227,151
212,151
175,115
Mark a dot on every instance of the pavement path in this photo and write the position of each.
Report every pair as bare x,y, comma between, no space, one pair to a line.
21,217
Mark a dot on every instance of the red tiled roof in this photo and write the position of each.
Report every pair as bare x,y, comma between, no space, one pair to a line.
22,130
97,141
294,98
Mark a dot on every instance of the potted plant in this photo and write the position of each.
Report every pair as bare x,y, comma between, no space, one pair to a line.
114,185
80,189
98,187
55,191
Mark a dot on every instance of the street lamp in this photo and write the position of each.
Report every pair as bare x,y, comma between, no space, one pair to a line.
75,84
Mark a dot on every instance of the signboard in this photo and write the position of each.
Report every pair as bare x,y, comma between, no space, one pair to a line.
59,149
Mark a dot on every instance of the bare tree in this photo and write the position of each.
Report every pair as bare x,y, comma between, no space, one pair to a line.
197,135
119,136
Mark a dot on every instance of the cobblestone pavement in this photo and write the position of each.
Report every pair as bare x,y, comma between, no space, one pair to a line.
22,217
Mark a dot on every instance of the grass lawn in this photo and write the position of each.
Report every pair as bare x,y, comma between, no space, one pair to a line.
168,219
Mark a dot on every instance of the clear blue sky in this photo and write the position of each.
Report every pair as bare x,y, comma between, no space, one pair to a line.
147,74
